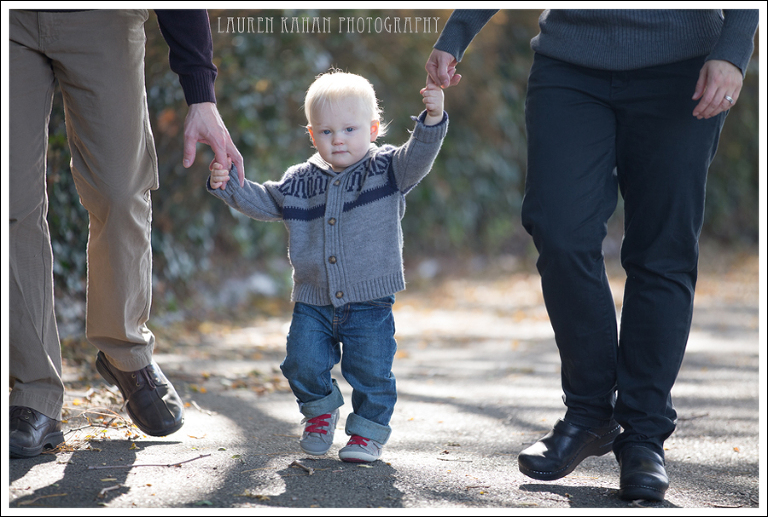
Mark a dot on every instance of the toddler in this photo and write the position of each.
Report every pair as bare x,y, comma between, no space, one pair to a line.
342,209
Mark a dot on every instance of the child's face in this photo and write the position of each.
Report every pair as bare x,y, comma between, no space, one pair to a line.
342,134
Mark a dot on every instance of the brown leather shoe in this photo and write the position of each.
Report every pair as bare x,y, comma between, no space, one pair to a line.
150,398
31,432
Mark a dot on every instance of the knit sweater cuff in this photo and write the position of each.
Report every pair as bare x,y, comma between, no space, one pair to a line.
430,134
736,42
230,189
198,87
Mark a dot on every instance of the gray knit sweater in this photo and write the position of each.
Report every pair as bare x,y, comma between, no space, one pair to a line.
618,39
345,238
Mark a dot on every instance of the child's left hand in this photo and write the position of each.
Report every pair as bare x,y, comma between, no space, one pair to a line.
219,176
433,100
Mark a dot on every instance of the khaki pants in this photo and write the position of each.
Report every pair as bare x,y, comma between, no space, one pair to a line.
98,59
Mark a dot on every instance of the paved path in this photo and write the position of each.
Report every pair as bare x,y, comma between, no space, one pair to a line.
478,380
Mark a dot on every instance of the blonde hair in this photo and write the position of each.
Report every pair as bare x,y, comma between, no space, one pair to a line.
335,88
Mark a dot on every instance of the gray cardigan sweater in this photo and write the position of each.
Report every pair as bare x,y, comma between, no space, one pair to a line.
345,238
624,39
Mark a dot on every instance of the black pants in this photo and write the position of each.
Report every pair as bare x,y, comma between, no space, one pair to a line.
593,133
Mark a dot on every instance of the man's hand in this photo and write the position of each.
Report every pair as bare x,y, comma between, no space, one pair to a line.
717,80
203,124
441,67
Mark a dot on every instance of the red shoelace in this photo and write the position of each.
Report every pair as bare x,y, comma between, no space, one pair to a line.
358,440
316,425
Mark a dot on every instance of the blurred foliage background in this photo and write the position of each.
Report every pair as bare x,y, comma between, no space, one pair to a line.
468,205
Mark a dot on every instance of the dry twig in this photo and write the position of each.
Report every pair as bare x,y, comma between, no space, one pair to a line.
147,465
196,406
40,497
693,417
309,470
104,491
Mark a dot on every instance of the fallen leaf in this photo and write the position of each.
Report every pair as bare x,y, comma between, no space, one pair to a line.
248,493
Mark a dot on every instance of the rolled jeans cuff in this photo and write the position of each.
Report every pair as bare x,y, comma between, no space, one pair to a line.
367,429
324,405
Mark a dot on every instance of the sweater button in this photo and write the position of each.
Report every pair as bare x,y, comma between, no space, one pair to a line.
339,294
337,183
332,260
332,221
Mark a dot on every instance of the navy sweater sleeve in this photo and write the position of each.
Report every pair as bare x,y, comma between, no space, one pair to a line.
188,34
460,29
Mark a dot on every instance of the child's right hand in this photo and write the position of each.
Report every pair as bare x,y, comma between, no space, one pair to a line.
219,176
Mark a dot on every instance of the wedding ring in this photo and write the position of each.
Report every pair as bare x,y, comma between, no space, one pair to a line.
729,98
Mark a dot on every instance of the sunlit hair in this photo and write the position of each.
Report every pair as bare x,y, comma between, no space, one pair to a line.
336,88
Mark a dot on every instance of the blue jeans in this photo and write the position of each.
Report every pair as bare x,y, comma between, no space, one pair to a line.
367,332
593,133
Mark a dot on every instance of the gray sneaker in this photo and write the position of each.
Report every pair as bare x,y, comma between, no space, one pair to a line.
318,433
360,450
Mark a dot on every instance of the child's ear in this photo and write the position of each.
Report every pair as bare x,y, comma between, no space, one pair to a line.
374,130
311,135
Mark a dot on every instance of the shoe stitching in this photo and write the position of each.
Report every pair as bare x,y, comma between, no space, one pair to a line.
643,486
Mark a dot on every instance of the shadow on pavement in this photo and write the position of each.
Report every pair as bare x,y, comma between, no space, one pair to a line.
19,467
78,483
585,496
361,486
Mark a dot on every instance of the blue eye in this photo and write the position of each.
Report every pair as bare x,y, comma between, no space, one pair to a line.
326,131
349,129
